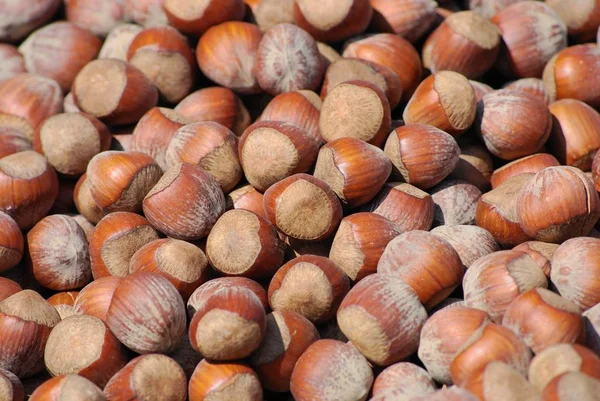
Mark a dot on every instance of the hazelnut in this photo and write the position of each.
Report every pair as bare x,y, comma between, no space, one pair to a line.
11,242
562,358
246,198
475,166
427,263
575,266
445,100
512,125
394,52
7,288
70,140
271,151
31,97
557,320
59,51
465,42
147,314
382,337
355,69
540,252
269,13
497,211
154,132
59,253
123,98
360,242
234,313
595,175
189,185
453,393
582,21
209,145
119,181
287,60
490,342
331,21
88,227
83,345
443,334
182,263
532,33
19,19
499,380
558,203
100,17
227,53
63,303
495,280
455,202
12,142
223,381
422,155
489,8
355,109
528,164
115,240
303,207
84,202
118,40
480,89
312,286
151,376
63,298
243,243
11,388
301,108
328,53
470,242
331,370
341,165
216,104
569,74
288,335
404,377
405,205
533,87
66,387
13,125
26,320
164,56
575,134
217,285
569,385
409,19
195,18
94,299
12,62
28,187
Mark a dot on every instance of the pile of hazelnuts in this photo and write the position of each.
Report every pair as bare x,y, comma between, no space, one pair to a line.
310,200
